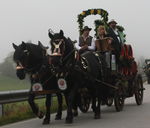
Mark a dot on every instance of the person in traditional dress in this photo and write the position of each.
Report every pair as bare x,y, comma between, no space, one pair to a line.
103,42
85,41
113,33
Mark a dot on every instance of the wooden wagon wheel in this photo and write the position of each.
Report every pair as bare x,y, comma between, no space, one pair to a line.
139,90
109,101
84,100
119,97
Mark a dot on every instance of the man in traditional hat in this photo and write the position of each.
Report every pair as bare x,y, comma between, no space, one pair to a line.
113,32
85,41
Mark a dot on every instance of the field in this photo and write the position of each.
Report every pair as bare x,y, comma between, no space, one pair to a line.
7,83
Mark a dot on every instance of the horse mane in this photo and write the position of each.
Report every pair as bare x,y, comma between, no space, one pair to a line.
69,45
34,49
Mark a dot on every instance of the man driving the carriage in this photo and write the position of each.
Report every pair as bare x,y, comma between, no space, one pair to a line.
85,41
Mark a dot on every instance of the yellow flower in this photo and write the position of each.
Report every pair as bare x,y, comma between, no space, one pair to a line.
92,11
83,13
98,11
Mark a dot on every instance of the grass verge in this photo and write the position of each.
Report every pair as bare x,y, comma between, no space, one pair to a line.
16,112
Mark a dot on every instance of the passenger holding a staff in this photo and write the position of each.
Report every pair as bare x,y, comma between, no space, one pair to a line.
85,41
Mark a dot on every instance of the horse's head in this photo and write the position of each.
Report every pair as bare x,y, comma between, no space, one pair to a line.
57,43
28,57
60,47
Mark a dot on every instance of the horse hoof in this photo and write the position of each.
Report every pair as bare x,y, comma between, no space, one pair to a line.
40,115
69,121
58,117
97,116
46,121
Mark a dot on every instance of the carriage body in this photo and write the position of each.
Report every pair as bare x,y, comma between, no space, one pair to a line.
125,81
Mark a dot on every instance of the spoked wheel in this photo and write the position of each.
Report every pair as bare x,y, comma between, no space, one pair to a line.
119,103
109,101
139,90
84,101
119,98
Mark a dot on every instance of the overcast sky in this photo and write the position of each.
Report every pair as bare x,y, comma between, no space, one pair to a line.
23,20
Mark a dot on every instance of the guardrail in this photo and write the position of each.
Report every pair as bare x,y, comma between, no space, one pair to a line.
14,96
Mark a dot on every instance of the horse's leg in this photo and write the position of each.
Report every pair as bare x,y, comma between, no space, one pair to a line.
98,105
60,102
70,99
69,117
33,106
48,105
98,109
93,104
75,107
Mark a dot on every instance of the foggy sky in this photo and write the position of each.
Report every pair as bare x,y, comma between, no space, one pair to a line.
23,20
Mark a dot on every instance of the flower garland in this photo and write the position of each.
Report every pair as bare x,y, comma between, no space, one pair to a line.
101,12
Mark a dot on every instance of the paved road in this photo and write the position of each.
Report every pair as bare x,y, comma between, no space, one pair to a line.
132,116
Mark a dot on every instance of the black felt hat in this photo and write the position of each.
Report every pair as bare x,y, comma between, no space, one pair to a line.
86,28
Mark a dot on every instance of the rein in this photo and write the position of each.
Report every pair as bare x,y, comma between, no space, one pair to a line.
66,57
96,80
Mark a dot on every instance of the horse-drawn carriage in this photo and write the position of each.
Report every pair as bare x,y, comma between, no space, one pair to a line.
80,77
125,81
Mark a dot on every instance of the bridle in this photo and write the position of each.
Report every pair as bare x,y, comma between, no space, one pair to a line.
57,51
66,62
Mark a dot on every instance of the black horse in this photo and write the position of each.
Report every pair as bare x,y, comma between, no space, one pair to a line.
32,59
77,73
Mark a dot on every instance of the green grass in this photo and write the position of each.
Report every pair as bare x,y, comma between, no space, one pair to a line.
7,83
15,112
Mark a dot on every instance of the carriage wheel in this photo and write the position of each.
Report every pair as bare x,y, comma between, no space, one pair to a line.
119,98
119,103
139,90
84,104
109,101
84,101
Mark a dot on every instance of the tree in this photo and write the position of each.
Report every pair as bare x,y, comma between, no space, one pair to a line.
7,67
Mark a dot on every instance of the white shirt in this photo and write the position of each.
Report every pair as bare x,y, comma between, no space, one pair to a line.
92,47
116,32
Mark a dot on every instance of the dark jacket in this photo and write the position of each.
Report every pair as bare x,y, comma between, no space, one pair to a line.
116,44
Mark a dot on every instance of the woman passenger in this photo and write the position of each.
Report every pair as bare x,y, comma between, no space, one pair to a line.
103,42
